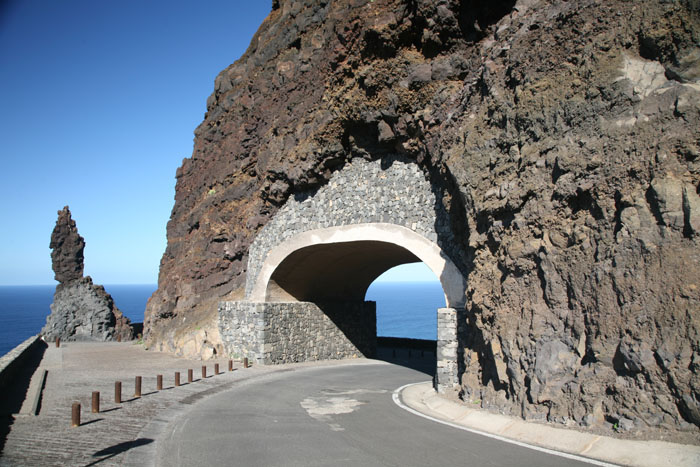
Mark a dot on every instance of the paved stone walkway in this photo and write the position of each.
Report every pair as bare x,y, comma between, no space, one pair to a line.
105,438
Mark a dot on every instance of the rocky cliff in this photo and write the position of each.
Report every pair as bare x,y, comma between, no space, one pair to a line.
567,135
80,309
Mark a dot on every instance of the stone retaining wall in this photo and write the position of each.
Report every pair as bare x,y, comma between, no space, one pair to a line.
12,361
285,332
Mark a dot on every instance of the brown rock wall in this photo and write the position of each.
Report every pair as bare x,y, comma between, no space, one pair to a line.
67,248
568,135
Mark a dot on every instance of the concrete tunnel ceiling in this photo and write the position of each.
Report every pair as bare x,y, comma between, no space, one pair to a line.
337,271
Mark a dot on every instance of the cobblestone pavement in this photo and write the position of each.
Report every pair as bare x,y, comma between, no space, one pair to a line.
107,437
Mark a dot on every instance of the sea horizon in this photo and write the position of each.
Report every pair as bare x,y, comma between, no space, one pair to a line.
404,308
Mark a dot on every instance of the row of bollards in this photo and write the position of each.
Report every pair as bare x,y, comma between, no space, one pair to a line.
75,409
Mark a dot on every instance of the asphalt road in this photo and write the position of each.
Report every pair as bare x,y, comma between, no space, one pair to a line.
335,415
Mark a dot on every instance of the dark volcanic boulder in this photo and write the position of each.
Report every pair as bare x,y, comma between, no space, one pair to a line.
567,135
80,309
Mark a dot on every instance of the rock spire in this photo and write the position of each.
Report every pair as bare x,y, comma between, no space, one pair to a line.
67,248
80,310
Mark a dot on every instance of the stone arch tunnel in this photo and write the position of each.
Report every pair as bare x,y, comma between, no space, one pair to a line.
310,267
340,263
335,271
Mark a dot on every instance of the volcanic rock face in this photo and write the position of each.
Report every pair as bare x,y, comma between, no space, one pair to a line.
567,135
66,248
83,311
80,309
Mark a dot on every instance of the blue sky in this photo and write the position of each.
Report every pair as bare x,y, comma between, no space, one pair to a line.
98,104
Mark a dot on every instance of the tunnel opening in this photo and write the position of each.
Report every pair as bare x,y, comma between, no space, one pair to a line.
308,299
407,297
334,272
336,278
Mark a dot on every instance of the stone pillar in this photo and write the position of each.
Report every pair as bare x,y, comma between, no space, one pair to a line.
446,377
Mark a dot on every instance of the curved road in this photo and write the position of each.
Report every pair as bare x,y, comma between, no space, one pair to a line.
331,415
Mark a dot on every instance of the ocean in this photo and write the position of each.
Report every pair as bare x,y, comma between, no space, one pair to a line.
24,308
404,309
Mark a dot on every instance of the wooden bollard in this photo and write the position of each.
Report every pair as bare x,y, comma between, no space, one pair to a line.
230,365
58,342
95,401
204,371
75,415
117,392
159,382
216,368
177,378
189,375
137,387
245,362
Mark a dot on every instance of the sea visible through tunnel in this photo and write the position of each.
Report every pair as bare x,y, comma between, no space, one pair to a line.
404,309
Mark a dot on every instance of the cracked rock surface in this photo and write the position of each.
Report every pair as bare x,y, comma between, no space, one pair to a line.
567,135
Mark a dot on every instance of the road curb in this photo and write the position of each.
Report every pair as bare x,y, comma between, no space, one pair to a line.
422,400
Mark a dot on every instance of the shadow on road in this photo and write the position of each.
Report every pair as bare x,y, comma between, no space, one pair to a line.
416,354
118,449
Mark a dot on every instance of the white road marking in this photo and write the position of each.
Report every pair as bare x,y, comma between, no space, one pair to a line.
397,401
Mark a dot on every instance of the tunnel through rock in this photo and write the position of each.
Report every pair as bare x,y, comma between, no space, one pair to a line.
407,297
308,302
339,271
310,266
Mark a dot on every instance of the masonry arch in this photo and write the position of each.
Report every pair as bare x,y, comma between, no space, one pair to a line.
340,263
310,266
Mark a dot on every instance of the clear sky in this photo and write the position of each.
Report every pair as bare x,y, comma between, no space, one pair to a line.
98,104
99,100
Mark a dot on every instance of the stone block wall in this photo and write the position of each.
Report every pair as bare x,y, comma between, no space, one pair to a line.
241,326
13,361
391,190
286,332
